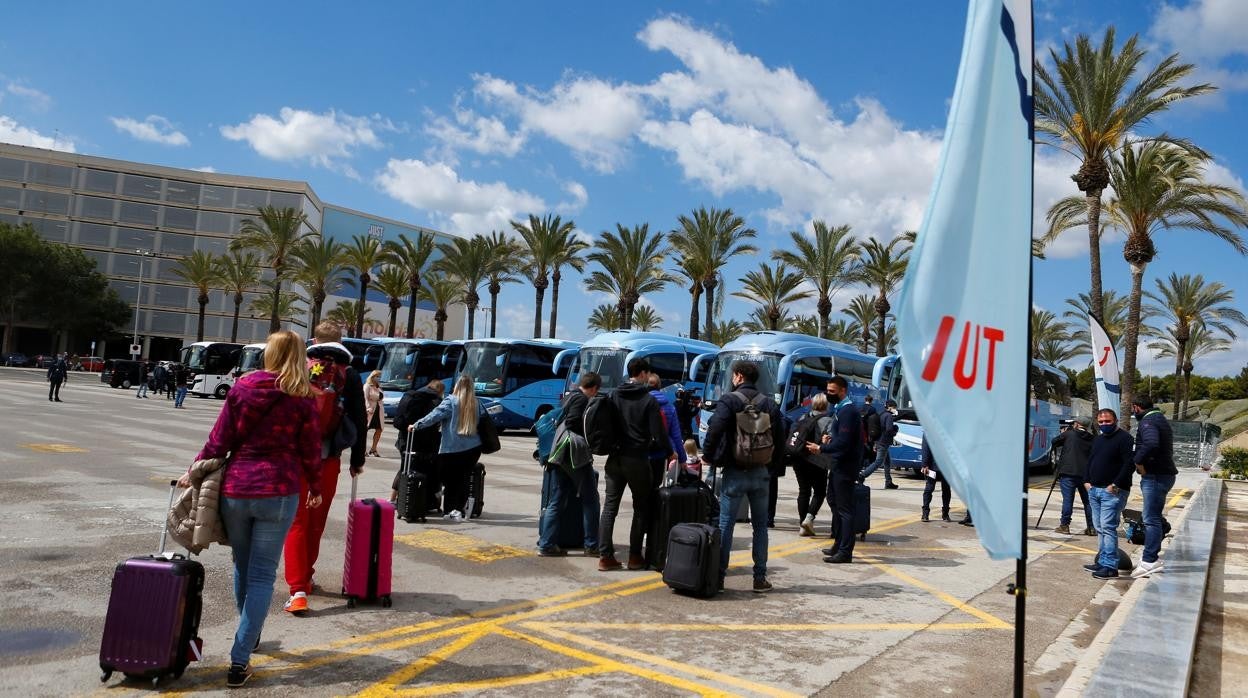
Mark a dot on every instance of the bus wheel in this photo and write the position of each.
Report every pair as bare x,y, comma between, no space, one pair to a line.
221,391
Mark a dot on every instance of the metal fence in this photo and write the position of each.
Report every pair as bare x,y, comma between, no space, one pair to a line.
1196,443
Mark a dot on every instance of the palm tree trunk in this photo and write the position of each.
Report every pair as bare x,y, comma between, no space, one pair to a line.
359,318
710,305
440,318
1095,298
554,302
540,292
1132,339
1178,381
394,319
275,323
825,314
203,303
493,312
411,310
318,304
472,319
238,304
696,292
1187,387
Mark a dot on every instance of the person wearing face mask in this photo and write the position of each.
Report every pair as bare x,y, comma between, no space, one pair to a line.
1076,445
1108,480
1154,461
844,445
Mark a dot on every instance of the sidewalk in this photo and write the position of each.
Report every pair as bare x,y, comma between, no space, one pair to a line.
1222,640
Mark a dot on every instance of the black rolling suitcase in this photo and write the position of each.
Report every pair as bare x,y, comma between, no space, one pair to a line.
862,513
476,492
571,522
693,552
413,486
676,504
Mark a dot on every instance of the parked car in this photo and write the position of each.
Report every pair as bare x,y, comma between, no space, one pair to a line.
121,373
90,363
16,358
45,360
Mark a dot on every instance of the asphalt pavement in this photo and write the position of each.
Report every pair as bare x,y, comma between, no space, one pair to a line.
84,484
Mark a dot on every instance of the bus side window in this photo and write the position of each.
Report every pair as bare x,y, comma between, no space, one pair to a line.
810,376
670,367
526,366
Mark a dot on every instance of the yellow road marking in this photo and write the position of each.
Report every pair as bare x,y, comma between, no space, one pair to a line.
1064,544
752,627
421,665
442,689
751,686
459,545
1177,496
54,448
960,605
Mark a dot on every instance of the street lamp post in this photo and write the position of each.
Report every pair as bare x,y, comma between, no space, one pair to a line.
138,300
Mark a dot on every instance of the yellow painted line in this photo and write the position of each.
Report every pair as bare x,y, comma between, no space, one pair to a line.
752,687
460,546
54,448
996,622
753,627
1177,496
442,689
1064,544
418,667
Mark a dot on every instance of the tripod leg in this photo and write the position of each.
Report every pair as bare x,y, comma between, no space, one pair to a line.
1046,501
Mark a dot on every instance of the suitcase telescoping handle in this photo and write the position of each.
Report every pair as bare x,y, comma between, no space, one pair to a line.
164,530
353,487
407,454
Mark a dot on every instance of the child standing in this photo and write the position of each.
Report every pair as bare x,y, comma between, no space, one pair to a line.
693,461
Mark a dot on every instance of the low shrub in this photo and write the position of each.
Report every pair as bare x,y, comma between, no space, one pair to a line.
1234,463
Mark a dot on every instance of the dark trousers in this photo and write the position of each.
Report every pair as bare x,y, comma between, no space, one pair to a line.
842,499
456,470
636,474
945,493
54,390
772,495
812,487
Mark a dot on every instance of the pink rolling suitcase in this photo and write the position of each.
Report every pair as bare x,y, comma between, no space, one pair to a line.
370,547
151,630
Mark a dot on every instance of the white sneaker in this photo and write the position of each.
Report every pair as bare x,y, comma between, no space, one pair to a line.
454,516
1145,569
808,526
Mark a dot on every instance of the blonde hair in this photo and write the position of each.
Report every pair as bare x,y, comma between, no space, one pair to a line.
819,403
691,448
374,378
465,392
327,331
285,355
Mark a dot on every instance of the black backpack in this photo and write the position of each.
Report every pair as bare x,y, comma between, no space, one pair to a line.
603,428
795,447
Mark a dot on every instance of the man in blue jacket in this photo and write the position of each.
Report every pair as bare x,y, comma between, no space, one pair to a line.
882,442
1107,477
1154,461
844,444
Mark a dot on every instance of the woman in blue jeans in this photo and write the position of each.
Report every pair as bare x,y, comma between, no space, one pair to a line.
269,428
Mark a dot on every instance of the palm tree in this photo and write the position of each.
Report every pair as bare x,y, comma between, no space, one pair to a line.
467,262
441,290
605,318
829,261
632,265
503,268
759,321
238,274
1200,342
1087,111
1159,185
362,256
1046,329
772,288
861,312
345,313
645,319
318,266
411,256
1114,322
288,307
1187,303
723,332
805,324
882,268
569,254
706,241
1055,351
392,283
273,234
845,331
200,270
544,240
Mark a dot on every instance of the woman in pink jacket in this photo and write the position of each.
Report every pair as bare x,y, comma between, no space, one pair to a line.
269,428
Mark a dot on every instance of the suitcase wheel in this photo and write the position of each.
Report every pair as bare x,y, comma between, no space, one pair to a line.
350,602
106,675
385,601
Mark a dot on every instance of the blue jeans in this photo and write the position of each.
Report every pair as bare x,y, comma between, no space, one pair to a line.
1106,508
257,531
881,458
177,402
1155,488
569,491
1069,484
142,391
738,483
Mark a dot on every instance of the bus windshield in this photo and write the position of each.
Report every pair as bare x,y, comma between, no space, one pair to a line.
398,368
899,392
251,359
719,378
487,364
193,357
608,363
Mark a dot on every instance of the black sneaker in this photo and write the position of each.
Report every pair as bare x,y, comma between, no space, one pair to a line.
1092,568
761,585
891,486
1105,573
237,675
552,551
591,551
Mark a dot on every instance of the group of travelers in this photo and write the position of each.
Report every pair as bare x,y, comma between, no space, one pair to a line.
166,377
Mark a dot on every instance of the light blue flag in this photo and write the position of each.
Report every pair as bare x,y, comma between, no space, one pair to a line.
963,318
1104,367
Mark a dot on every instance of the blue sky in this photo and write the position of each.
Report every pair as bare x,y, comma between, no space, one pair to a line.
460,116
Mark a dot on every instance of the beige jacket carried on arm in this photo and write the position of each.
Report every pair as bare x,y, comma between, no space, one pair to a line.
195,519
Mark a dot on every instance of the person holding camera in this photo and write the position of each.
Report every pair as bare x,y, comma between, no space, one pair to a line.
1075,443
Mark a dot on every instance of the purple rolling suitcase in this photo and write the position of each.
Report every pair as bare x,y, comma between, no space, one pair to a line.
151,630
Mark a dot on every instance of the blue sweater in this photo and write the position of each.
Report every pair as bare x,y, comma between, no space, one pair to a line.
1110,461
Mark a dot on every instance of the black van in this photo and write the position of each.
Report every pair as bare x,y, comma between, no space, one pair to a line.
121,373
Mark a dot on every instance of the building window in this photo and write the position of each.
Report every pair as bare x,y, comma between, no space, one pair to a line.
183,218
10,197
250,200
127,290
285,199
96,207
211,245
95,235
141,187
182,192
172,243
216,197
172,296
50,228
132,239
213,222
169,323
98,181
47,202
51,175
12,170
142,214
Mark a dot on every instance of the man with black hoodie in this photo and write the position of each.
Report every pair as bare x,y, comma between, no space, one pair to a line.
1076,445
1108,479
303,542
641,431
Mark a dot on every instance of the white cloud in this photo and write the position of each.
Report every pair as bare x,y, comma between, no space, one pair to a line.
205,168
153,129
321,139
13,132
590,116
1208,32
580,197
464,206
39,101
468,130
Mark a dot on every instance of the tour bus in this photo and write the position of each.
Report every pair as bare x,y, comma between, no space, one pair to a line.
514,377
411,363
251,358
211,365
608,355
792,368
1049,404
